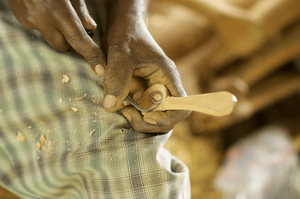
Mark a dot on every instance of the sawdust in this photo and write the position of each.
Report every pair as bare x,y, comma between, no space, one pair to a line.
20,137
49,150
41,142
81,98
65,79
96,102
74,109
92,132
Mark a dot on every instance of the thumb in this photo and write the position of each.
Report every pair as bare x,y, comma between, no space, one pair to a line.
117,80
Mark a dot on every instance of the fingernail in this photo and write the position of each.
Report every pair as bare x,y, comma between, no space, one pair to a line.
128,117
126,103
99,69
150,121
91,20
110,101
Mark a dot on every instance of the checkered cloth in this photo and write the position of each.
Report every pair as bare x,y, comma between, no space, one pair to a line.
59,158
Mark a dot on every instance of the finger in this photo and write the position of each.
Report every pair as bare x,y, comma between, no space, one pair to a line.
83,14
116,82
70,25
136,121
165,118
55,38
164,73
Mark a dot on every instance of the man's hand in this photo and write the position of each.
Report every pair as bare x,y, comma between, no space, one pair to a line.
132,52
62,23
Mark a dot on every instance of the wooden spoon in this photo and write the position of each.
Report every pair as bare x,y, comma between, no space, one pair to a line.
156,98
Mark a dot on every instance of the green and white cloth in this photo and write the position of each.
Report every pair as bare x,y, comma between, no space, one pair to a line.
59,158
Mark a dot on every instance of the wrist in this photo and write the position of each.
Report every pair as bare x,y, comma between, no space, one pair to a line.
128,10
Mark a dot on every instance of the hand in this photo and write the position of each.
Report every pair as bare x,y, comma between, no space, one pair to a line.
62,23
132,52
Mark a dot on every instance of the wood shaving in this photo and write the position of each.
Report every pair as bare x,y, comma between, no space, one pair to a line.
92,132
54,158
81,98
41,142
60,100
49,151
148,179
39,145
74,109
95,102
65,79
20,137
1,110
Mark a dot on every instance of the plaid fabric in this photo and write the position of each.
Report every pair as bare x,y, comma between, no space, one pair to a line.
59,158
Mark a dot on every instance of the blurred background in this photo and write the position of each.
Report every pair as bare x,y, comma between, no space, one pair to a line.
250,48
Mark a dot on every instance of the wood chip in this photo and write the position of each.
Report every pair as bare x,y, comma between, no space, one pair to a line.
29,127
81,98
100,83
65,79
39,145
70,99
75,88
148,179
1,110
74,109
60,100
92,132
95,102
20,137
49,151
41,142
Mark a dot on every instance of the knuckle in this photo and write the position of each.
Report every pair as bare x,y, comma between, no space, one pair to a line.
93,55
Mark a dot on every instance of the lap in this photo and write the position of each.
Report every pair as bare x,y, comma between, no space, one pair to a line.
60,157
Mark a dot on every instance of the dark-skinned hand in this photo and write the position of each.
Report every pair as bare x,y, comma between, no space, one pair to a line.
62,23
132,52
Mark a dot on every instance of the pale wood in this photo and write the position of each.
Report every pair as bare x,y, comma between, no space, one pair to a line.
216,104
263,62
274,15
277,87
232,24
